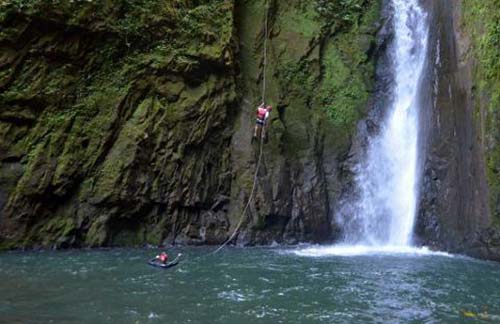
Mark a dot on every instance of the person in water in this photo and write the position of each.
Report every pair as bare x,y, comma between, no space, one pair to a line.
162,257
262,116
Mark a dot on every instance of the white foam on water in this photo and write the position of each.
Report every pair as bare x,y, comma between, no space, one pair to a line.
359,250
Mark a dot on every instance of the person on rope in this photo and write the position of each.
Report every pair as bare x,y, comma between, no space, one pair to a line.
263,112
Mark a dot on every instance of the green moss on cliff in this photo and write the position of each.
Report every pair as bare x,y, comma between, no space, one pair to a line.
110,99
319,76
302,19
343,82
482,19
347,68
124,112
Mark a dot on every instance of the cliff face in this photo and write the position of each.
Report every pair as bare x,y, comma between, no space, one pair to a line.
130,122
460,201
113,118
320,77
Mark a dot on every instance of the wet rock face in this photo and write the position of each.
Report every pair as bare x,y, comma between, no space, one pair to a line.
454,212
130,123
320,76
111,135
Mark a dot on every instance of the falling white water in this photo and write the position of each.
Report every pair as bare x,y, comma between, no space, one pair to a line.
384,212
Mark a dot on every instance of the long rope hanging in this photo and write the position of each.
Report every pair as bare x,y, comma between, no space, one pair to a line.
257,167
266,35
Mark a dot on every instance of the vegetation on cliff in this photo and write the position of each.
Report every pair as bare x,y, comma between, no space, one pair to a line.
343,32
482,19
320,74
117,117
111,116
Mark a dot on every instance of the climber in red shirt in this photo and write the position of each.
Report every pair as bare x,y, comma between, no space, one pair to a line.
262,116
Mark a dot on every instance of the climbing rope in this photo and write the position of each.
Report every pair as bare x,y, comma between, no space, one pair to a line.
242,218
265,54
257,167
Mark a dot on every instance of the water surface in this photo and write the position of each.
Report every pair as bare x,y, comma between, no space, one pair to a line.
251,285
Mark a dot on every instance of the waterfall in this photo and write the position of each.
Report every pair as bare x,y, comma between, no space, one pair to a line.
387,183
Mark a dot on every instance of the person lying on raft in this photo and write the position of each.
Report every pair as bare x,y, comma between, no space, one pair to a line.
162,258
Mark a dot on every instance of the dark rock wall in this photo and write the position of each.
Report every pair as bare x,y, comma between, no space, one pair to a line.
129,122
320,76
114,121
455,212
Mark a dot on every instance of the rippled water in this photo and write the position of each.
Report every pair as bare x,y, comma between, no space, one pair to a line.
252,285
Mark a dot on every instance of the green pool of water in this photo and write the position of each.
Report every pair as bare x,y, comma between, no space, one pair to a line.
251,285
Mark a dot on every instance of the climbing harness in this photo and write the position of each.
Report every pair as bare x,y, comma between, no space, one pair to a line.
257,167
